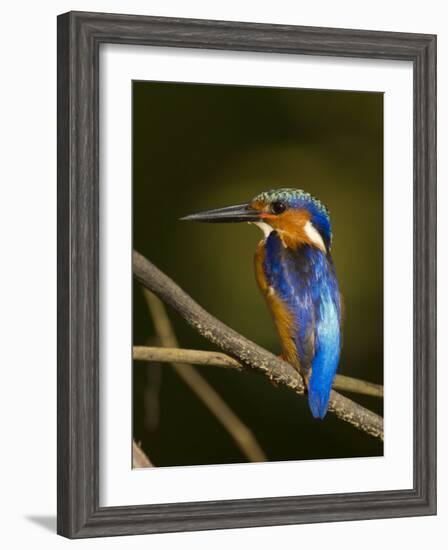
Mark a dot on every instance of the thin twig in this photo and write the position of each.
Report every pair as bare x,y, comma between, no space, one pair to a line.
356,385
217,359
139,458
241,434
243,349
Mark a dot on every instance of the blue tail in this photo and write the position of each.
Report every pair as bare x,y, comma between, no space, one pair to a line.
318,397
326,359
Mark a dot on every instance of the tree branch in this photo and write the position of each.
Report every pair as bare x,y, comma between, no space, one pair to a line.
217,359
244,350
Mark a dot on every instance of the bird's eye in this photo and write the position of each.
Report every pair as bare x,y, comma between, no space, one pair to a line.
278,207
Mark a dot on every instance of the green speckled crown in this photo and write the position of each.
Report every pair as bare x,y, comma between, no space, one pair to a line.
294,198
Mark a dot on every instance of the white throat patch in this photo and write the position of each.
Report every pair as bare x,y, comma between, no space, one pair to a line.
265,227
314,236
311,232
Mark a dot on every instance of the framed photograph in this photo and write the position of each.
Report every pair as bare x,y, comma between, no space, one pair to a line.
212,375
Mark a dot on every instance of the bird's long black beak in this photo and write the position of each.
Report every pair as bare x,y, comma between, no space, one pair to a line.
230,214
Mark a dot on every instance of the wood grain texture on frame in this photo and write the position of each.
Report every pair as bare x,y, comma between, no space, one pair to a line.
79,37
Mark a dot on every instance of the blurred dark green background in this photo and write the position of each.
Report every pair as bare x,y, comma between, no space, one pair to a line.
197,147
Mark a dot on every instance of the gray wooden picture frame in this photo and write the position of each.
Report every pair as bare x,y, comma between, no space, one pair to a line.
79,38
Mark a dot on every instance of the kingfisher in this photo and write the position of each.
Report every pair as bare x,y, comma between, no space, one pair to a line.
296,274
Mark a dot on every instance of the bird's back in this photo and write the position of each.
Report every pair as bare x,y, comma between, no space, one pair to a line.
302,292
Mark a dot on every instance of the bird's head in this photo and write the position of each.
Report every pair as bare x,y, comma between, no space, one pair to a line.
295,215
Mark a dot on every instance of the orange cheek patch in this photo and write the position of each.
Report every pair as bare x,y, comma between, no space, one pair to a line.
291,227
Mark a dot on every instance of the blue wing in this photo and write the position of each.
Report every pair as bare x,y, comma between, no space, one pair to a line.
305,281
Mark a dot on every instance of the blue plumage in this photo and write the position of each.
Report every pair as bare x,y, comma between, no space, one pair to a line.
305,281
